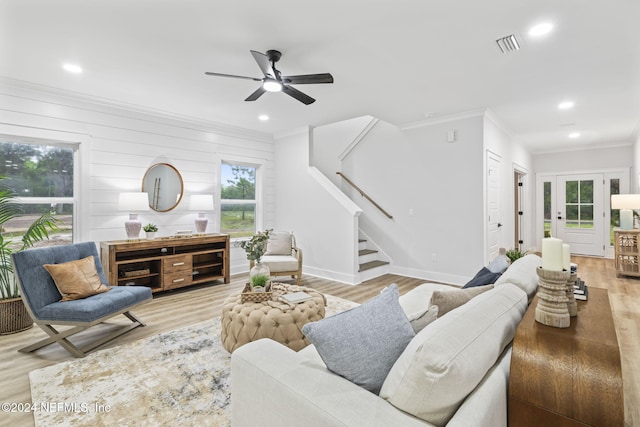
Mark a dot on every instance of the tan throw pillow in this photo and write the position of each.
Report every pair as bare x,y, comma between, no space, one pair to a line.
448,300
77,279
428,317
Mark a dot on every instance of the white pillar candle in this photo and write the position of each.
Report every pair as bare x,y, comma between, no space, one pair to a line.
626,219
566,257
552,254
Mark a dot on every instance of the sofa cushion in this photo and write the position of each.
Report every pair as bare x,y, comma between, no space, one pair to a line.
426,319
522,273
448,300
482,277
77,279
447,360
279,243
499,264
415,303
363,343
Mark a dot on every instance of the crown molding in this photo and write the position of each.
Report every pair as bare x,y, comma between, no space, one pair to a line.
443,119
73,99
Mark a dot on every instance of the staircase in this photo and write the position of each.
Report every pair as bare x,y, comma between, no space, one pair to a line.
370,265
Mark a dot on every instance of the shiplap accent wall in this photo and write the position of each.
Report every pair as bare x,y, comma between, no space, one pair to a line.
117,143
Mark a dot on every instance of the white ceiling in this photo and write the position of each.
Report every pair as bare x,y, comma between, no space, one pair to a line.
393,59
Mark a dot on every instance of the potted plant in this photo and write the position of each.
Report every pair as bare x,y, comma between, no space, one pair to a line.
255,249
13,314
514,254
151,230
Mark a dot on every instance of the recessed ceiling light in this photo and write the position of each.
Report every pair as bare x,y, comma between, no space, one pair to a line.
263,117
541,29
574,135
565,105
72,68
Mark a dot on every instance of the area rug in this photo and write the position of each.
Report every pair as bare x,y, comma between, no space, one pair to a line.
180,377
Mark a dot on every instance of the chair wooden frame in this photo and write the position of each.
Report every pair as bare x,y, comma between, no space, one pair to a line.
60,337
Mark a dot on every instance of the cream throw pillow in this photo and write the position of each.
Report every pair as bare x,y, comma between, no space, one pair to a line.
77,279
279,243
448,300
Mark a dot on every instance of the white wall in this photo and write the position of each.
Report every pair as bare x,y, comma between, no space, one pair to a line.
117,145
585,159
513,157
432,188
330,142
323,220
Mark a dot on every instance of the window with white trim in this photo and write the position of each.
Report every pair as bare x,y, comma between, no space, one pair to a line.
42,179
238,201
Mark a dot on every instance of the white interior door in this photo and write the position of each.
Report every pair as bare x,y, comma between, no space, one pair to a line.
580,213
493,205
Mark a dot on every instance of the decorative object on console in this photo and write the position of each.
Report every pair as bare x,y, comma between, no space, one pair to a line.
132,202
626,203
552,308
151,230
572,306
163,183
552,254
201,203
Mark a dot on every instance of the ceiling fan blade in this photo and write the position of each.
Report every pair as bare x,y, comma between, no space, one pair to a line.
308,79
263,63
257,94
295,93
208,73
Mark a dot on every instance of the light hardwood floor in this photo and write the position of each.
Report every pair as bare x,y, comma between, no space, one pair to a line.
180,308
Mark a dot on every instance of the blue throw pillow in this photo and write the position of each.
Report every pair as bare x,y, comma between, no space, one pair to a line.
482,277
363,343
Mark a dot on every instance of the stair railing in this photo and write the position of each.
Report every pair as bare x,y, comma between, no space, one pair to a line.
365,195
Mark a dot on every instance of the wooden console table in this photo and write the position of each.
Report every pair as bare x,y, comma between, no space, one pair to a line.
166,263
567,377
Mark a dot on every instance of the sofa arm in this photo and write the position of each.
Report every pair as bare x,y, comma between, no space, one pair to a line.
271,385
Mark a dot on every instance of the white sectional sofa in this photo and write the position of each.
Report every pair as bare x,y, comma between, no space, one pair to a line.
454,372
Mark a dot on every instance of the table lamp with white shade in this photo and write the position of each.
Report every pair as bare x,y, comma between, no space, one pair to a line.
133,202
626,203
201,203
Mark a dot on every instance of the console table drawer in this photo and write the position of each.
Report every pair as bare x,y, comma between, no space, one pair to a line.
177,280
177,263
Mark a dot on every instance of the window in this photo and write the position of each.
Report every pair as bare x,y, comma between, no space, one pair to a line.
579,204
42,178
547,209
614,188
238,199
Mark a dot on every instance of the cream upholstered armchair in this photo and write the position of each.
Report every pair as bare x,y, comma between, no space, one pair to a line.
282,256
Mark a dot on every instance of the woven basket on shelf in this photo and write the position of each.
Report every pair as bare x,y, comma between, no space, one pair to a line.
14,316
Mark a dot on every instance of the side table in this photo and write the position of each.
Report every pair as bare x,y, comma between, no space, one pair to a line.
567,377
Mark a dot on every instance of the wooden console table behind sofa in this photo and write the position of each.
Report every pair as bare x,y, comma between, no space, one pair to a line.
567,377
167,263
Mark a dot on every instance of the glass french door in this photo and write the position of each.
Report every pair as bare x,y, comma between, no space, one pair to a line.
580,214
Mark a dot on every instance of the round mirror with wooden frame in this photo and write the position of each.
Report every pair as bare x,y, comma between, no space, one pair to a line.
163,183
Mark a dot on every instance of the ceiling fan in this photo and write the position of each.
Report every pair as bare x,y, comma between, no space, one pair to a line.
273,81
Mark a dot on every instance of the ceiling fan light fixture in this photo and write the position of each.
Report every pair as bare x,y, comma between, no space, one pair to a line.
272,86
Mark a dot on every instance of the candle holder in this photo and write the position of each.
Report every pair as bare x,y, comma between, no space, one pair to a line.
552,308
571,303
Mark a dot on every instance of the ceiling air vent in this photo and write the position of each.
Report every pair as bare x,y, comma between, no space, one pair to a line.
508,44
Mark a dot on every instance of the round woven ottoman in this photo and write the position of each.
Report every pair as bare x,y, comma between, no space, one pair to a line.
278,320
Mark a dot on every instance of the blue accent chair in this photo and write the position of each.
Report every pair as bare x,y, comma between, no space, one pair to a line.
42,298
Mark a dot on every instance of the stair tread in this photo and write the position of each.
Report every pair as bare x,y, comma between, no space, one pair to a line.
371,264
366,252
